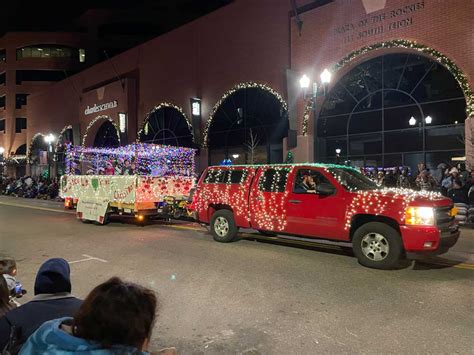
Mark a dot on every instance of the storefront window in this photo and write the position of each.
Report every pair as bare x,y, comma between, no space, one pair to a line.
107,136
248,127
167,126
379,111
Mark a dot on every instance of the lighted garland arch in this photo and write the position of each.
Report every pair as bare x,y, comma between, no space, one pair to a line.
59,140
30,146
91,123
247,85
160,106
406,44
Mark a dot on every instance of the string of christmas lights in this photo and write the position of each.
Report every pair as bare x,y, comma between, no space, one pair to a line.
60,142
142,130
29,152
150,159
406,44
247,85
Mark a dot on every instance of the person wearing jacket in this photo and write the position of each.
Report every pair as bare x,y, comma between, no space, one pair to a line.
116,317
52,300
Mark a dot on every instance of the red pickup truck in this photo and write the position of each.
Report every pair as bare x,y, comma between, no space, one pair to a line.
327,202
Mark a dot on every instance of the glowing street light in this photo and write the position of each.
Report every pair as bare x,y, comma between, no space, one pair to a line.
235,156
2,150
338,150
412,121
428,119
304,82
49,138
326,76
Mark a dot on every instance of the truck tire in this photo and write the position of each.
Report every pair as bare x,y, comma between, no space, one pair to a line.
377,245
223,226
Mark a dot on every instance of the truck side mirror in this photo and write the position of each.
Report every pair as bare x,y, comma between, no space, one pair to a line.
325,189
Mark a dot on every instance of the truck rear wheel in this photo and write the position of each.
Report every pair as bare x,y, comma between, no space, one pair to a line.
223,226
377,245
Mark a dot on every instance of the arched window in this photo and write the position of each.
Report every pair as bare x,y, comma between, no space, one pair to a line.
392,110
167,125
248,127
38,155
65,138
107,136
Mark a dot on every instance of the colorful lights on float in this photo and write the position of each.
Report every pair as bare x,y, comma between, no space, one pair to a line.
150,159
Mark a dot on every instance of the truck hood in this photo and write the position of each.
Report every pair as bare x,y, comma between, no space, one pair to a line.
392,202
408,197
413,198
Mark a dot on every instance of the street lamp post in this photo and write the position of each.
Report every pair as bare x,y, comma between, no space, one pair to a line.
422,124
338,152
304,84
49,139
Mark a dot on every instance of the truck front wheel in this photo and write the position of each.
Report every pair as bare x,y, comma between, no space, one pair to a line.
223,226
377,245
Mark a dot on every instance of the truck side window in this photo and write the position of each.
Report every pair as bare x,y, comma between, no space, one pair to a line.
215,176
237,176
307,180
225,176
273,180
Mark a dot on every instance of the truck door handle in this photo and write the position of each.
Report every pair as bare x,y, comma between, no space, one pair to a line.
294,201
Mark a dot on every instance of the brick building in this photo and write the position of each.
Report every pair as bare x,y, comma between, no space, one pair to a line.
28,63
400,91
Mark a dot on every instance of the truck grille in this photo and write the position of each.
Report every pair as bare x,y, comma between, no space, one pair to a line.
443,217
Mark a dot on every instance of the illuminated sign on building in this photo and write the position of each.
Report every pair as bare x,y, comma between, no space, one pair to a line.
102,107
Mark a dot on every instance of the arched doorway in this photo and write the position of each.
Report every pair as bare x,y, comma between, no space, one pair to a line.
167,124
107,136
16,163
109,132
247,126
392,110
38,156
64,139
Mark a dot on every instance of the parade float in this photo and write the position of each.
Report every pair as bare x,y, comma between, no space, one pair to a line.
140,180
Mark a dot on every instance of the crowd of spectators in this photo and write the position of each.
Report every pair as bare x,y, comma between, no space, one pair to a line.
117,317
29,187
455,182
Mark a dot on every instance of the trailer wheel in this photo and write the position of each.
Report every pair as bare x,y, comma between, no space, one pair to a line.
223,226
377,245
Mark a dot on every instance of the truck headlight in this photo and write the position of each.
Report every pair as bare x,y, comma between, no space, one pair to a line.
419,216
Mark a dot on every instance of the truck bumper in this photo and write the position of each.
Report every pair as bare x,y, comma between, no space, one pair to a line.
429,239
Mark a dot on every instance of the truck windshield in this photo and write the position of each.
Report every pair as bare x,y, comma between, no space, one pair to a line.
352,180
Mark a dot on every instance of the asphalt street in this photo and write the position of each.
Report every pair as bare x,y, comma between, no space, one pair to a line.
255,296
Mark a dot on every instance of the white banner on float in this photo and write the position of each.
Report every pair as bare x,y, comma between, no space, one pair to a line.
91,209
111,188
126,189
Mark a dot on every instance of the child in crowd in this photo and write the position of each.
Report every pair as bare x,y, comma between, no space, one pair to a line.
9,270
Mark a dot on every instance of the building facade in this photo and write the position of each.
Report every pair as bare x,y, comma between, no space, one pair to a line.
228,84
29,62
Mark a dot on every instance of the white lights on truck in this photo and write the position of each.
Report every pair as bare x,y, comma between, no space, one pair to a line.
419,216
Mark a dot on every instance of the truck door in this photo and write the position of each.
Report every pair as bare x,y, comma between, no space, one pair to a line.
314,206
267,199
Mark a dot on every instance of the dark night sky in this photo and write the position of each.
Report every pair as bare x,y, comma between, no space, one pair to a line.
159,16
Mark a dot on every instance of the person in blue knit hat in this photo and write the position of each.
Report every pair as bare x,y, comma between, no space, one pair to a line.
53,299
